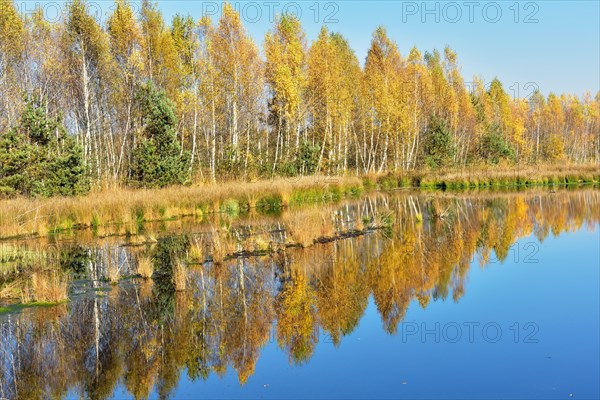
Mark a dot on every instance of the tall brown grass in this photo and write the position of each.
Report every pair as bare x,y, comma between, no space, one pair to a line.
113,269
502,175
145,268
197,250
47,286
180,276
306,225
122,209
119,211
218,248
588,171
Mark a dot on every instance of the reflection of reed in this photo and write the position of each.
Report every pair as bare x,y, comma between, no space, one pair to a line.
145,334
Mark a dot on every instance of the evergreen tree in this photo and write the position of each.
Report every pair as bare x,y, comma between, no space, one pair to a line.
307,159
39,159
158,159
493,147
439,147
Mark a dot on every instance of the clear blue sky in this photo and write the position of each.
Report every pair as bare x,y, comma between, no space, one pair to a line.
555,45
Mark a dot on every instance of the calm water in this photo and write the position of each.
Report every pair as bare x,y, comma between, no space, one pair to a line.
466,296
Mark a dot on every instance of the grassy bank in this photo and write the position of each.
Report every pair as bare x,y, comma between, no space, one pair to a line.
490,177
125,211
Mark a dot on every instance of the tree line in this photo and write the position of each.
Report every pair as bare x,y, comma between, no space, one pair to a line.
151,104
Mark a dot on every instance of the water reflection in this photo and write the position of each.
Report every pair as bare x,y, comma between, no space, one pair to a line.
217,297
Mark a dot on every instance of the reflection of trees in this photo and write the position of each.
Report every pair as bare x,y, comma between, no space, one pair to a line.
145,335
296,317
342,291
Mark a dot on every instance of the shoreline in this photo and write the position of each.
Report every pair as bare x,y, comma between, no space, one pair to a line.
127,209
49,271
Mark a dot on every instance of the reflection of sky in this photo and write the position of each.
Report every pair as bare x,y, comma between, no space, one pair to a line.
559,293
553,44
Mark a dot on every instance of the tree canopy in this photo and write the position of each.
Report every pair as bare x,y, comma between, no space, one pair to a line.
219,108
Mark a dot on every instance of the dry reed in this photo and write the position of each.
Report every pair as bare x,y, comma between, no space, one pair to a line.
145,268
180,276
303,227
120,210
50,287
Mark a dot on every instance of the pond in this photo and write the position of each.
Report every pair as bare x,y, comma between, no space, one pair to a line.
394,295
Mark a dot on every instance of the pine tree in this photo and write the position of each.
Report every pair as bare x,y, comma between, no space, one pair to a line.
494,147
439,145
39,158
158,159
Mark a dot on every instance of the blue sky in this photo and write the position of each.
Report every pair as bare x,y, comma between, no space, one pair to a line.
550,45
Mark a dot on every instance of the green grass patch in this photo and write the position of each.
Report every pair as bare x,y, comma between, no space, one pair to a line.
387,182
428,183
354,191
272,202
334,193
405,182
369,183
95,223
230,207
313,195
34,304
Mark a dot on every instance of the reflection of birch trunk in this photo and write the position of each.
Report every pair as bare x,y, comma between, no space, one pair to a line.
204,312
97,333
242,278
94,276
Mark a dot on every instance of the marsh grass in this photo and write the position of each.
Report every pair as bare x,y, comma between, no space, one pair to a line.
180,276
218,250
118,211
45,287
197,250
270,203
304,226
31,274
14,289
145,268
125,211
493,177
